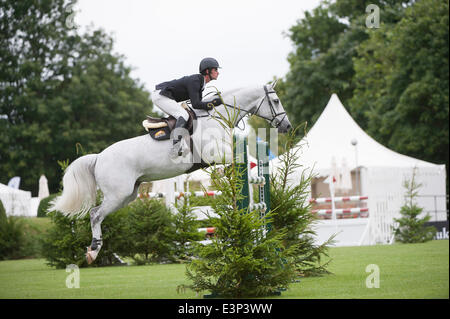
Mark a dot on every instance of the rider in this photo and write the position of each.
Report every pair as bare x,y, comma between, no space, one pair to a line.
167,94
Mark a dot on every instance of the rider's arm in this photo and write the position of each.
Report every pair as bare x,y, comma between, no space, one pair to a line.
194,94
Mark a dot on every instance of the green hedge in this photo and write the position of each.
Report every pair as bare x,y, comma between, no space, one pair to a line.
2,212
144,231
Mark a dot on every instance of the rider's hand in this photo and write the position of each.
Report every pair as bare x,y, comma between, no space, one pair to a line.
216,102
213,103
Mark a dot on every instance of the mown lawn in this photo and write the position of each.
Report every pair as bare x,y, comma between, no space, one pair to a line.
406,271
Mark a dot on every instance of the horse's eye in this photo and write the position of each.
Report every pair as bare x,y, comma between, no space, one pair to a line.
276,101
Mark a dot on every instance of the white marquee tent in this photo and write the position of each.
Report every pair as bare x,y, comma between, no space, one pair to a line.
382,173
16,202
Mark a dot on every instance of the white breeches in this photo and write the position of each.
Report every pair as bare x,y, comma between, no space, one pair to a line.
168,106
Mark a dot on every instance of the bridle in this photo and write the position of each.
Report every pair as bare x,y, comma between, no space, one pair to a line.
272,109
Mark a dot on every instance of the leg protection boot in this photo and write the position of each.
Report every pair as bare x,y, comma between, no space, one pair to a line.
176,148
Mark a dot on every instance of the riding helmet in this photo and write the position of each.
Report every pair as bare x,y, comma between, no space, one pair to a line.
208,63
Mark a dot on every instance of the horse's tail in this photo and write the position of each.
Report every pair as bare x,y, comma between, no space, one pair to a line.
79,188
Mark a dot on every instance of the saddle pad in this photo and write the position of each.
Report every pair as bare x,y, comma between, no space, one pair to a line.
160,134
148,125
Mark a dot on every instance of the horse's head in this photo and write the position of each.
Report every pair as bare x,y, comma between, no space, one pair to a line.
271,109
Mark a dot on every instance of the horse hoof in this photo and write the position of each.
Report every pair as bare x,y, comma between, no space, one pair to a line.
91,255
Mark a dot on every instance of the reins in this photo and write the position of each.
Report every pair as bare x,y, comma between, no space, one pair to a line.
272,108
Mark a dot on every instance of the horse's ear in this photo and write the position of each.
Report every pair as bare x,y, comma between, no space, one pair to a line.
274,83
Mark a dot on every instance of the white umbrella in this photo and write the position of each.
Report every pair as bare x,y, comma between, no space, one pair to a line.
14,182
335,173
43,188
346,177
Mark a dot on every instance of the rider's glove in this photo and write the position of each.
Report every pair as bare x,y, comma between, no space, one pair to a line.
213,103
216,102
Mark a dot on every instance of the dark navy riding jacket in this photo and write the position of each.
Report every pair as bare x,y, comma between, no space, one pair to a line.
186,88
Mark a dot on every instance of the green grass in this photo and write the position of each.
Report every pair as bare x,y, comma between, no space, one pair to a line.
406,271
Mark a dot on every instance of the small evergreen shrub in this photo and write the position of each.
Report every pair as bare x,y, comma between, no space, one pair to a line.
186,231
44,205
66,241
240,262
411,228
151,232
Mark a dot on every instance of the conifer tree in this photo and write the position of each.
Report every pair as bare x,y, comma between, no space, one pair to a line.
186,231
292,210
411,228
242,260
151,231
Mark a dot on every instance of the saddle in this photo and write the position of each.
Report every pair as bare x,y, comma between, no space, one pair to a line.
160,128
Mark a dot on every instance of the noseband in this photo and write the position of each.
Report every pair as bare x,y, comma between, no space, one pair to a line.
272,109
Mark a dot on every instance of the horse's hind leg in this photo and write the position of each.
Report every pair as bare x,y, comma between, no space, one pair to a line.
110,204
96,221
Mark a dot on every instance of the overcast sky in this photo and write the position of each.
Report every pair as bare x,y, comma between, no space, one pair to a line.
163,39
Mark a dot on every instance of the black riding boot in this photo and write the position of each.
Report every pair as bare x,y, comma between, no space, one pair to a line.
176,149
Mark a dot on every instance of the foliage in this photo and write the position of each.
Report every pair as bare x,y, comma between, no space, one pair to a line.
402,76
150,232
411,228
201,200
19,236
34,230
394,78
320,64
65,242
61,86
325,43
186,231
12,240
292,211
240,261
44,204
3,216
145,230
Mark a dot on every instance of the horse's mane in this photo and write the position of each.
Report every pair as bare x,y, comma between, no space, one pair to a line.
211,90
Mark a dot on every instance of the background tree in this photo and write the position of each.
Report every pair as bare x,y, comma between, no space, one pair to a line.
393,79
402,77
59,88
314,73
326,41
